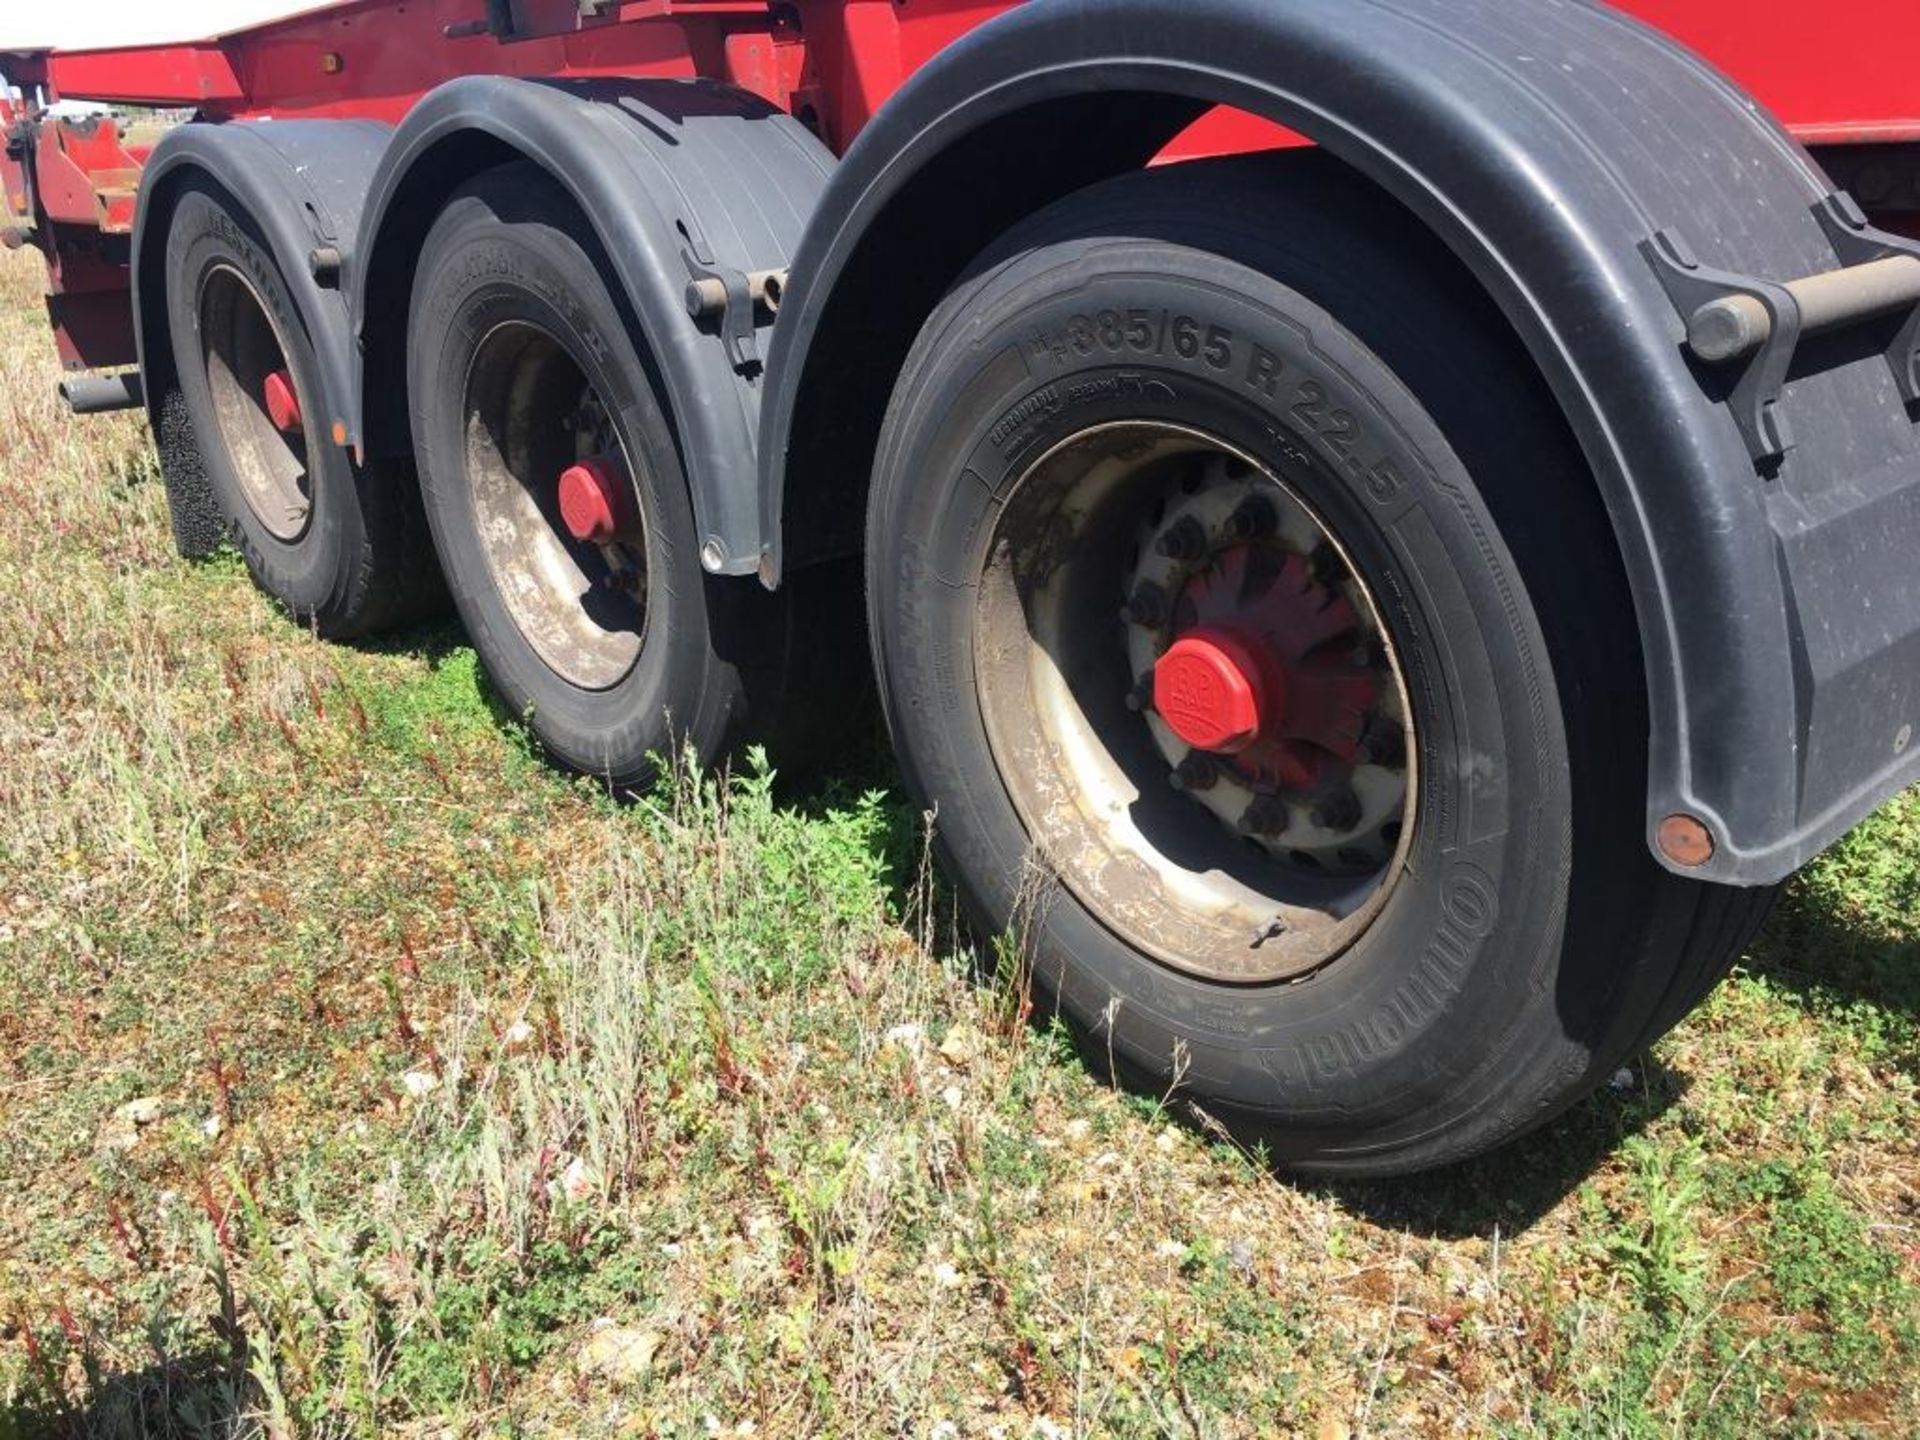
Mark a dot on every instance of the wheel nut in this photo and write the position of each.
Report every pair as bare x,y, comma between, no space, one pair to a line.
1337,810
1383,742
1252,519
1324,563
1196,772
1186,539
1267,816
1147,606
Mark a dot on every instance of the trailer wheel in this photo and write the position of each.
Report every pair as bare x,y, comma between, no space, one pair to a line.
342,546
1244,613
555,493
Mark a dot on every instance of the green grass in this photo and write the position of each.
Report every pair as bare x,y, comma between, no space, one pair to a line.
456,1064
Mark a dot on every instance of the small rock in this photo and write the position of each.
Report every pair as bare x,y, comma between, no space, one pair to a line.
1078,1129
418,1082
947,1277
516,1038
1170,1250
619,1354
1240,1256
1623,1081
576,1181
144,1111
953,1096
910,1038
211,1127
960,1046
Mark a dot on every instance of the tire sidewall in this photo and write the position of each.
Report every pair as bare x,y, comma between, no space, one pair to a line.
1373,1039
315,574
479,270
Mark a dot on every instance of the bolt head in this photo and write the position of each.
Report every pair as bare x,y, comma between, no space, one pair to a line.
1266,816
1338,810
1196,772
1147,605
1186,539
1252,519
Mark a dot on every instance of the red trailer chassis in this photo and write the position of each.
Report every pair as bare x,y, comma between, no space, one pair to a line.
1495,423
1834,78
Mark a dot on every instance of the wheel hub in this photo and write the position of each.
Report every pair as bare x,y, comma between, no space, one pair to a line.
1265,689
256,407
1223,776
552,489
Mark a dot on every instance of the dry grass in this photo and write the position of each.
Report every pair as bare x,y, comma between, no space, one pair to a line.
458,1070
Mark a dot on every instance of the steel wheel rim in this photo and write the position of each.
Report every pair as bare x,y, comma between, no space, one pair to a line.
530,414
1086,759
243,347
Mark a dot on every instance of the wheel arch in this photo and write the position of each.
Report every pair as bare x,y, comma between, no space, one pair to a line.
656,167
1542,143
301,183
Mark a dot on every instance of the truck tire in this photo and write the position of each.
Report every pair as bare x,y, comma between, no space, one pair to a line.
1245,613
343,546
556,497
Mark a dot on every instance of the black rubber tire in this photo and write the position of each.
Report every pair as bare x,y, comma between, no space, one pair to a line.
1531,943
510,245
363,562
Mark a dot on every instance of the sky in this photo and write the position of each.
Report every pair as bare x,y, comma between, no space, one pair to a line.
99,24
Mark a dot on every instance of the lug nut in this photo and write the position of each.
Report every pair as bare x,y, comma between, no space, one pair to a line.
1382,742
1196,772
1337,810
1266,816
1147,606
1253,519
1323,563
1185,539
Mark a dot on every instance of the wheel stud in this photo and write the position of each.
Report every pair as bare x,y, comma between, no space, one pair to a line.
1324,564
1147,606
1141,695
1196,772
1383,742
1337,810
1266,816
1252,519
1185,539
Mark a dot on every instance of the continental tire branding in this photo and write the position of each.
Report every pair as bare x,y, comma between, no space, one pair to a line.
1469,910
1044,401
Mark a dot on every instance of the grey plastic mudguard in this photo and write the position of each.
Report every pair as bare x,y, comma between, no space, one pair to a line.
666,171
1545,141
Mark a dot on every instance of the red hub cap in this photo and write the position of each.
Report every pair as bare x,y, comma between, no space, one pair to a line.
592,499
1210,690
1268,668
283,402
